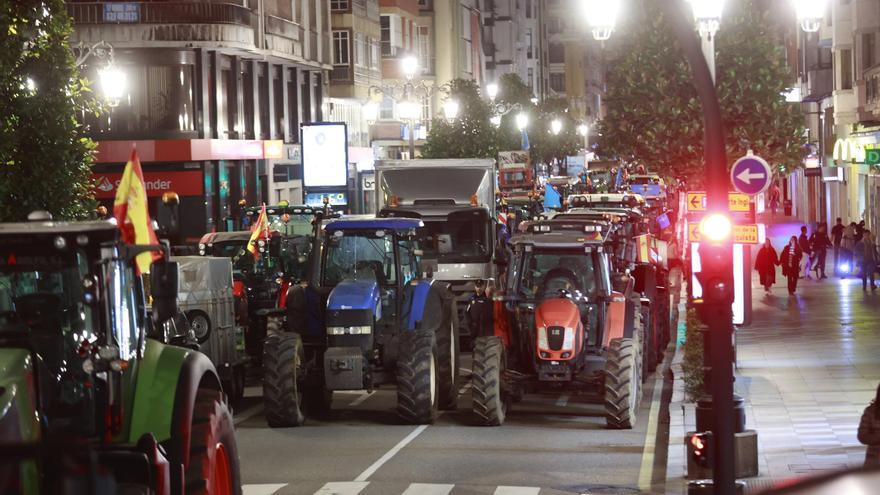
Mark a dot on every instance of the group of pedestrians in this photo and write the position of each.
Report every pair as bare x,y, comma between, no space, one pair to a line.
854,247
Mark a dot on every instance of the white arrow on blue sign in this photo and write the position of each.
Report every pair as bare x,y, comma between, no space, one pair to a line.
751,175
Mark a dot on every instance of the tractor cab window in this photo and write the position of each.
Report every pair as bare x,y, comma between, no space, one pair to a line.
295,252
243,261
409,267
123,306
461,237
547,274
362,255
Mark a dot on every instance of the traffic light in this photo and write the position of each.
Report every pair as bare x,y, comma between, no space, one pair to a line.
701,449
716,264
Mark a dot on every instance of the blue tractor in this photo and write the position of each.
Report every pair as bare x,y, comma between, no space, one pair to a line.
366,317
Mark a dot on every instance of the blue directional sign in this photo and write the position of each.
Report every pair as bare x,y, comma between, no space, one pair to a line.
751,175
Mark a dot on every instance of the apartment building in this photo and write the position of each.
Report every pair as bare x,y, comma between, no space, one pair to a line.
512,41
213,99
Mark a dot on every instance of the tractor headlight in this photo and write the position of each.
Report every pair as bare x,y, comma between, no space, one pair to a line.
202,246
356,330
542,338
201,252
568,339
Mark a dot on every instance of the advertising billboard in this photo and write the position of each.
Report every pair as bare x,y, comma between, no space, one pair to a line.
324,154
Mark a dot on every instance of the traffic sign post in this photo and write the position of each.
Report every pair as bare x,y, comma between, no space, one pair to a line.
696,202
742,234
751,175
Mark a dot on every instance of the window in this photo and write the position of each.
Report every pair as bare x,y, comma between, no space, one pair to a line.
360,50
341,55
846,78
557,82
531,78
529,43
385,29
374,54
386,109
425,49
528,9
342,5
868,51
557,53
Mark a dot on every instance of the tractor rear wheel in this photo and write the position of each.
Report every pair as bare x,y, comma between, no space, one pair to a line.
418,383
213,456
622,383
448,350
282,369
489,400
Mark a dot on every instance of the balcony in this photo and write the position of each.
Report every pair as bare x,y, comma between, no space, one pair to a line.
284,36
820,84
141,23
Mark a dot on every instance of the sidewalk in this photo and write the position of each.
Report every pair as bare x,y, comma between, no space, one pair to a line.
807,367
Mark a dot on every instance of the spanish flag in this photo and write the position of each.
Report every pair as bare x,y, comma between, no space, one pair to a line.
132,215
260,232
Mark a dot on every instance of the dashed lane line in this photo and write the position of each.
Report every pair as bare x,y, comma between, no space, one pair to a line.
343,488
364,476
647,468
517,490
428,489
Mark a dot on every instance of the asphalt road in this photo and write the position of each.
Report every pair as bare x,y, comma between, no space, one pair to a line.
551,444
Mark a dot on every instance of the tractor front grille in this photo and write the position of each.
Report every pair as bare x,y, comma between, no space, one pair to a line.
555,336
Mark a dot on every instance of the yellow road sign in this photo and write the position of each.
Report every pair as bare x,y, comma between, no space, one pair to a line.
696,201
742,234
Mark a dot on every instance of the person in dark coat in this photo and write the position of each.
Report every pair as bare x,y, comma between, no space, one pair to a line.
869,431
837,239
765,264
804,244
790,260
819,243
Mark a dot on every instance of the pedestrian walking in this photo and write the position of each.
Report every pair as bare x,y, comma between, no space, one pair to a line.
860,230
804,243
848,246
819,243
837,240
866,251
790,260
775,196
765,265
869,431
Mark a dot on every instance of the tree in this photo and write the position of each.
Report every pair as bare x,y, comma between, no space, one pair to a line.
471,135
654,116
44,157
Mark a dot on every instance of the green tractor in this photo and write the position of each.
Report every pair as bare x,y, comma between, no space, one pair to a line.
86,367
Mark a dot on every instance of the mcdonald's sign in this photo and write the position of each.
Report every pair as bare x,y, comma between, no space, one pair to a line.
848,151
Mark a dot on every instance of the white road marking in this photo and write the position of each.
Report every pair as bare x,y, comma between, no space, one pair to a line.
647,469
391,453
263,489
428,489
342,488
517,490
248,413
364,396
562,401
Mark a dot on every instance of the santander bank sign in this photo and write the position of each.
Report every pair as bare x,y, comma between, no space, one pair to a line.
184,183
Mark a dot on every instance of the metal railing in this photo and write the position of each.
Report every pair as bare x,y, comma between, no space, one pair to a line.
165,13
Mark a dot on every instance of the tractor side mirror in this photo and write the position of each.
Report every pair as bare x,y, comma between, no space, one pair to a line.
163,288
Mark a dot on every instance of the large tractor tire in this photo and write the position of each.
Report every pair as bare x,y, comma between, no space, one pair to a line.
489,400
418,380
622,383
213,457
282,370
449,358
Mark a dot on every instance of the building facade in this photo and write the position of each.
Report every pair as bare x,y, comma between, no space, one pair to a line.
213,99
512,41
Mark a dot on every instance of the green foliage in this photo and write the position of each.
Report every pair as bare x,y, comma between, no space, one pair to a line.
692,363
654,116
473,135
44,158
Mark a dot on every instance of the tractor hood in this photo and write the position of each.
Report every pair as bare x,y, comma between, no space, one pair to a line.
557,312
354,294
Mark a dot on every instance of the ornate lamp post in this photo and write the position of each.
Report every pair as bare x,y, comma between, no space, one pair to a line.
810,13
111,78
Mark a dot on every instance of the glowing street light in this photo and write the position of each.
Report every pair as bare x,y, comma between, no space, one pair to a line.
450,109
522,121
601,17
495,120
716,227
112,84
707,14
583,129
810,13
556,126
410,65
370,111
409,110
492,91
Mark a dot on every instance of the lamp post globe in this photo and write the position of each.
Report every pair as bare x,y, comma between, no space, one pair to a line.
450,109
522,121
410,65
707,14
370,111
601,17
556,126
810,13
583,129
492,91
112,83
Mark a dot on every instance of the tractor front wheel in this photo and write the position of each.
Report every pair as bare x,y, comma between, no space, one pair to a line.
213,457
448,350
622,383
418,383
489,401
282,368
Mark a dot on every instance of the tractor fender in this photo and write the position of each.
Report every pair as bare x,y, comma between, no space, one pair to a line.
424,303
615,319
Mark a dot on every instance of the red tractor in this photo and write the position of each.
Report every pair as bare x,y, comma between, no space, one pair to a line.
560,324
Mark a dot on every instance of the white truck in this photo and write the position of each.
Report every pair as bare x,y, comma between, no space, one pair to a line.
455,198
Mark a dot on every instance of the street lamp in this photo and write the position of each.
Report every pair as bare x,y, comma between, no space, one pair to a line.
492,91
707,14
583,129
522,121
810,13
112,84
410,65
555,126
450,109
601,17
370,111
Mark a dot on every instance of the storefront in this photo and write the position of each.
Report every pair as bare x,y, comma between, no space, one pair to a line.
210,176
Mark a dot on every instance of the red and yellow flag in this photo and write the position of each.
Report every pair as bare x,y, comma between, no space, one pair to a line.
132,214
260,232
